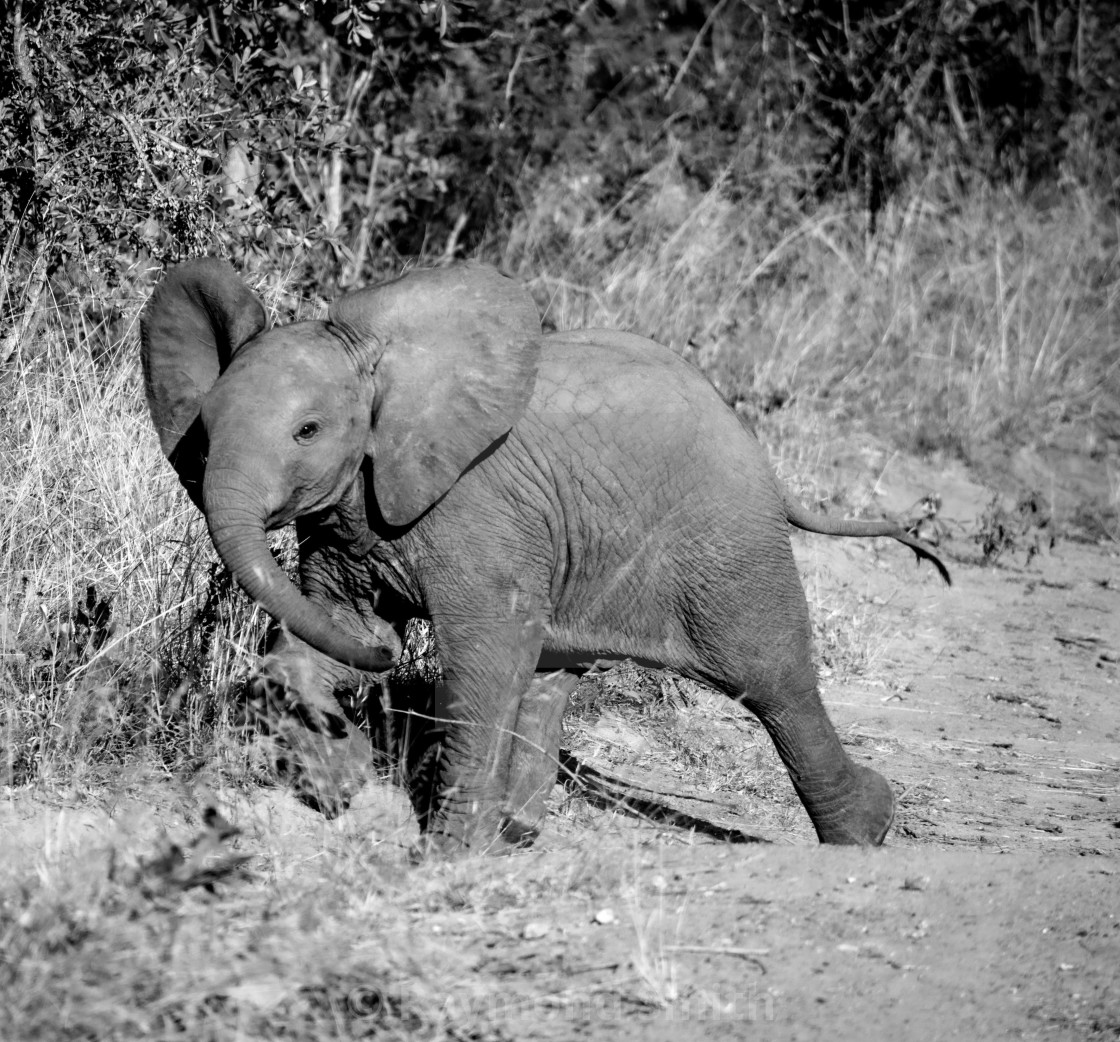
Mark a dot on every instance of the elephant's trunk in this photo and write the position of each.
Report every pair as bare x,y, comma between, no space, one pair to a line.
236,520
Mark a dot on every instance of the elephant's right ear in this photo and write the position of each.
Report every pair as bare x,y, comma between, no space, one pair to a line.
189,331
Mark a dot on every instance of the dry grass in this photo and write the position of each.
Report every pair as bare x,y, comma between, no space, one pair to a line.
964,319
119,630
323,933
106,942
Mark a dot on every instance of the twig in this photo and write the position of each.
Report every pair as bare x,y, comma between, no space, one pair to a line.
453,238
128,129
708,949
174,145
361,247
309,200
750,954
27,78
513,75
694,48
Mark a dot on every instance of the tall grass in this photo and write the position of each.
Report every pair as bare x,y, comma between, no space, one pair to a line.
117,628
965,319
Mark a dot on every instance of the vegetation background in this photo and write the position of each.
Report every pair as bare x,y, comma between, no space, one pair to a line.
890,222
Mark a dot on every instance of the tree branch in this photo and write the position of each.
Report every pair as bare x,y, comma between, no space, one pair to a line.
715,13
17,332
27,77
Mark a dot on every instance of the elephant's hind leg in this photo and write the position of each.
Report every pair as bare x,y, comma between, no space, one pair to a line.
764,661
847,802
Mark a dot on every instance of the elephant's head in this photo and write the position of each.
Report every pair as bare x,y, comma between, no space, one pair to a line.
421,374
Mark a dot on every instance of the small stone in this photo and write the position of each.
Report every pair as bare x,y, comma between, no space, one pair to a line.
604,917
532,931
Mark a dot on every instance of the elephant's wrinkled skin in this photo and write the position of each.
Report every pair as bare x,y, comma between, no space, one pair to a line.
545,500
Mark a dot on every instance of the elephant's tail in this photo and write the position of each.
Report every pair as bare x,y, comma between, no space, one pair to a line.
804,519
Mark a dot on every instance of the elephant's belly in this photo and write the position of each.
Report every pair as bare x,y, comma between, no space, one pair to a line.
577,648
582,661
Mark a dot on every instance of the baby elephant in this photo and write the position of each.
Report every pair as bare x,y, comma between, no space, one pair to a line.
546,500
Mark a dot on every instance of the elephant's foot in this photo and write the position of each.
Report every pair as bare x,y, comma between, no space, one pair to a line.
470,828
847,802
861,816
516,832
490,834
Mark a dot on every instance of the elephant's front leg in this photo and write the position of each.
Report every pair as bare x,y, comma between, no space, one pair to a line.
488,667
535,754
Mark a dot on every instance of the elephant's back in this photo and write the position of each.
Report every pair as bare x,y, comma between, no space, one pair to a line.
602,352
623,426
620,380
607,390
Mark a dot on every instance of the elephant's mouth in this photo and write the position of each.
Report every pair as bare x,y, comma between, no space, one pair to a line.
302,505
279,519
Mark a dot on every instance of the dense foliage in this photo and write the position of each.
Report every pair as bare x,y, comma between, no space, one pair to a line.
1017,90
332,137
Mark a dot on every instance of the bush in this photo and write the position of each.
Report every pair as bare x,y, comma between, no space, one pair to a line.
1015,90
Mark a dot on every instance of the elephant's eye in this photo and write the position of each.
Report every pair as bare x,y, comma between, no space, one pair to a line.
307,431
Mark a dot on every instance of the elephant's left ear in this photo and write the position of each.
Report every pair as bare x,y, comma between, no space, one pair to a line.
455,354
191,328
